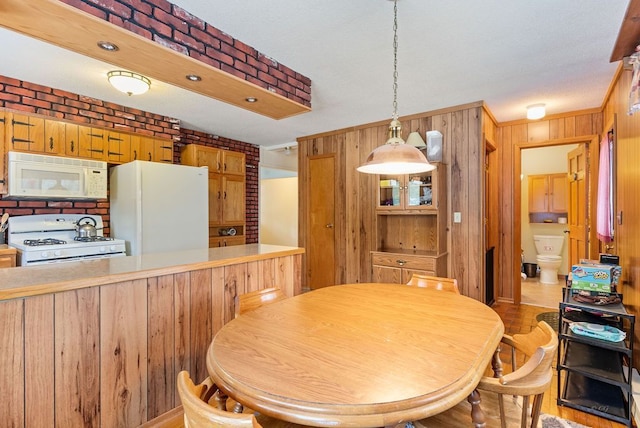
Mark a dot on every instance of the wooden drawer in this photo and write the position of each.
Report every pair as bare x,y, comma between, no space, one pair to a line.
406,261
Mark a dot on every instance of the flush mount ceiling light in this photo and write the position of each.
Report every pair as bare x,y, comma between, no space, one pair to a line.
535,111
128,82
108,46
395,156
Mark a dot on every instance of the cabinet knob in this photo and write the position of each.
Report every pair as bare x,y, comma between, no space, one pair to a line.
401,262
608,247
329,225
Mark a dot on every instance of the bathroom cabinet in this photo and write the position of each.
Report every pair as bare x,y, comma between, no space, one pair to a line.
548,195
594,374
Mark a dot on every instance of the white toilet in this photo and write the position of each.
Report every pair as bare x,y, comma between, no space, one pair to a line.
549,248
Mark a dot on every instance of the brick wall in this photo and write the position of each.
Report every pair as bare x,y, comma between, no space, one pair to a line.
29,97
177,29
188,136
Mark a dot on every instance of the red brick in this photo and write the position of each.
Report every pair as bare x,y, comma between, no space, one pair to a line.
267,78
65,109
257,64
172,21
162,4
20,91
171,45
51,98
90,114
187,40
221,35
219,56
246,68
32,204
115,7
78,104
236,53
205,38
137,29
9,97
140,6
10,81
233,71
192,20
36,103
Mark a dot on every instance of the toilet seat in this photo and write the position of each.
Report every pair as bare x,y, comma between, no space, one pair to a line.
548,258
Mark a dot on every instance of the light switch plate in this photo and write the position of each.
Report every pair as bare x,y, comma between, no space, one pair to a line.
457,217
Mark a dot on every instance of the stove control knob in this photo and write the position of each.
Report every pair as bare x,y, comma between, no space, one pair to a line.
112,248
103,249
44,254
57,253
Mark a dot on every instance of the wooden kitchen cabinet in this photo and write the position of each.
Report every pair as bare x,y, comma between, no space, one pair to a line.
7,256
162,150
411,227
227,191
3,150
548,197
92,142
54,137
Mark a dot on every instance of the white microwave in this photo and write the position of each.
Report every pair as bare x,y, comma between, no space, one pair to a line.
32,176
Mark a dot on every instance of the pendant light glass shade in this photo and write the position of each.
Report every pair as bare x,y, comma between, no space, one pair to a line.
395,157
128,82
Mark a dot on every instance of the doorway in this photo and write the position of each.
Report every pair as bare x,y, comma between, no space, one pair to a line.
546,157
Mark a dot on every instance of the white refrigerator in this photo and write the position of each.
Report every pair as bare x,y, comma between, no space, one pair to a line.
157,207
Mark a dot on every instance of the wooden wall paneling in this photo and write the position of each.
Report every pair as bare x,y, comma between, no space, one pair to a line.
284,275
556,129
297,273
12,367
161,373
352,212
268,274
253,280
123,354
459,193
366,226
207,300
584,125
569,127
77,360
182,326
303,208
39,361
507,201
440,122
340,214
538,130
475,211
235,284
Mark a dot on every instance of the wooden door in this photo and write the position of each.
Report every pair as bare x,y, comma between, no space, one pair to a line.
578,213
321,263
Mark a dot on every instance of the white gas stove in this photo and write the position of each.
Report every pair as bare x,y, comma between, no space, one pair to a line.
52,238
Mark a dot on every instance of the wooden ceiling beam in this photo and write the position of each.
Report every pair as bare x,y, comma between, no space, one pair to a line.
62,25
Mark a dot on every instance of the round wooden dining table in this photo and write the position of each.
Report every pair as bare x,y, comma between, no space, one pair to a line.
356,355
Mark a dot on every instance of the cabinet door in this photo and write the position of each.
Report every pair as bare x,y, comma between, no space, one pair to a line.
215,199
142,148
27,133
559,193
419,191
71,138
163,151
225,241
233,163
210,158
538,194
390,192
233,199
92,142
54,137
118,147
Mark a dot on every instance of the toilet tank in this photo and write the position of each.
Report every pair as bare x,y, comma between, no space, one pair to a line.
550,245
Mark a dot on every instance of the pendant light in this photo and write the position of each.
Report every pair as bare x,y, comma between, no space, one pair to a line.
395,157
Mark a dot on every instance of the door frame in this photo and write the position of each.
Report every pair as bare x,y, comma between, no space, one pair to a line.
591,142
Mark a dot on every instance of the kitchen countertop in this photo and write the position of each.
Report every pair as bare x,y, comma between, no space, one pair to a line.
42,279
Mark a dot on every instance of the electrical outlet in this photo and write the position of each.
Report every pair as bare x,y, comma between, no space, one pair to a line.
457,217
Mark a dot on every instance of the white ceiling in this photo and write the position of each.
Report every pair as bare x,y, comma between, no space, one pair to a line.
509,53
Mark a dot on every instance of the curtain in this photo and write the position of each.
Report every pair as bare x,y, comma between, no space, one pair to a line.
604,213
634,93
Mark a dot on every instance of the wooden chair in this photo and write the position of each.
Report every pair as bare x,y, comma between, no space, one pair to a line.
253,300
439,283
531,379
205,405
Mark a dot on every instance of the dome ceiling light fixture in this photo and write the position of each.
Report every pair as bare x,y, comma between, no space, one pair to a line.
395,156
128,82
536,111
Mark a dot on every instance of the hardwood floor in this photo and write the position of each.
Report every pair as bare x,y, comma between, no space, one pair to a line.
520,319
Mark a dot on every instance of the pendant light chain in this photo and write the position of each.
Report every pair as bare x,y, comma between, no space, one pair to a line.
395,59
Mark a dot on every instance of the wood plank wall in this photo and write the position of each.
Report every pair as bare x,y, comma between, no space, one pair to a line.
510,138
627,231
109,356
463,157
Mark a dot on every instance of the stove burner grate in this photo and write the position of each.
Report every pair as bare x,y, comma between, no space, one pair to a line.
39,242
92,239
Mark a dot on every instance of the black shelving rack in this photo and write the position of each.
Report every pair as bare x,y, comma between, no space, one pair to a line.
594,375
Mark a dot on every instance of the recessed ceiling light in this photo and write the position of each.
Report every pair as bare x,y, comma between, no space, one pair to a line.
193,77
108,46
251,99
